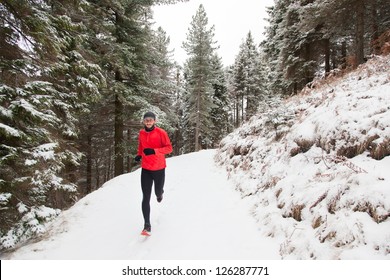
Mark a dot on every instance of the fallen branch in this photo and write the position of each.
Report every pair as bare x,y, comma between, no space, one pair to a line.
343,160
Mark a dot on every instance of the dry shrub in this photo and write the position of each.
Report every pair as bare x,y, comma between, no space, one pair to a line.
245,150
381,150
330,235
278,192
236,150
295,151
246,165
332,204
333,76
321,198
371,210
350,151
271,183
296,212
385,48
303,146
351,62
382,44
316,222
378,151
236,162
240,150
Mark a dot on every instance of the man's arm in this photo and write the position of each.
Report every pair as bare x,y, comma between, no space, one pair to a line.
166,144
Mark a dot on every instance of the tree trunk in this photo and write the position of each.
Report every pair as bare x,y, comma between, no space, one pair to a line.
359,36
89,160
333,58
344,55
129,162
178,132
237,122
327,56
118,137
242,106
308,74
197,124
375,32
97,174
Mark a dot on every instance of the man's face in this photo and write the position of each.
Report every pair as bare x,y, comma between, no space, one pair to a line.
149,122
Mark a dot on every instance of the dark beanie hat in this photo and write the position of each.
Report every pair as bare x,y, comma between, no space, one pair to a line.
149,115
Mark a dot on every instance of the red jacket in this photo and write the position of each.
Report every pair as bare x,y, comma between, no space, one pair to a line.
158,140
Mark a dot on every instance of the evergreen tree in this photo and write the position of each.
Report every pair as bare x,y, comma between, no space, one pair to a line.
273,45
248,80
199,80
132,55
137,68
43,76
166,94
71,72
162,80
303,36
231,95
239,86
337,22
220,111
252,76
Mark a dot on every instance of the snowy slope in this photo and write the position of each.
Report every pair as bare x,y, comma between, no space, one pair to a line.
201,217
317,167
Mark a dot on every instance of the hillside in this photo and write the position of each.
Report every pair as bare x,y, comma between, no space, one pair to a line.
316,167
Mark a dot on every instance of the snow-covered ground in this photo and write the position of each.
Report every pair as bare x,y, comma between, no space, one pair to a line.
292,193
201,217
317,167
308,179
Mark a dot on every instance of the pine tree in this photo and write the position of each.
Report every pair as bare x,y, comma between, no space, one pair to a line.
248,80
199,77
41,95
137,69
336,22
252,76
310,38
162,88
220,111
231,95
239,84
64,64
273,45
137,65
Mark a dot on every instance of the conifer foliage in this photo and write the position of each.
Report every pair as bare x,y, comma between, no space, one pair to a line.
45,82
75,77
312,38
204,87
248,81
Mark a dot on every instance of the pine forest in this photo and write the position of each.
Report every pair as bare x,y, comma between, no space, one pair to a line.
77,76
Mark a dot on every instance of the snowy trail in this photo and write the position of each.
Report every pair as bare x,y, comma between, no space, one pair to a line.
201,217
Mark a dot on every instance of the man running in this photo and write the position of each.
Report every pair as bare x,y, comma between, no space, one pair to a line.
153,145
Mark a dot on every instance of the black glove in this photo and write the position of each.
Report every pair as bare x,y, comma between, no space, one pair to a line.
137,158
149,151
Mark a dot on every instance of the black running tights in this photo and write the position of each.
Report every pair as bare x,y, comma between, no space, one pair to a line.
147,179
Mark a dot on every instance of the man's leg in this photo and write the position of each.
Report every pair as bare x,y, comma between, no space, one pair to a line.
159,180
146,185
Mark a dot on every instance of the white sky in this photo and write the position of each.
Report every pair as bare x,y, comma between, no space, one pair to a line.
233,19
